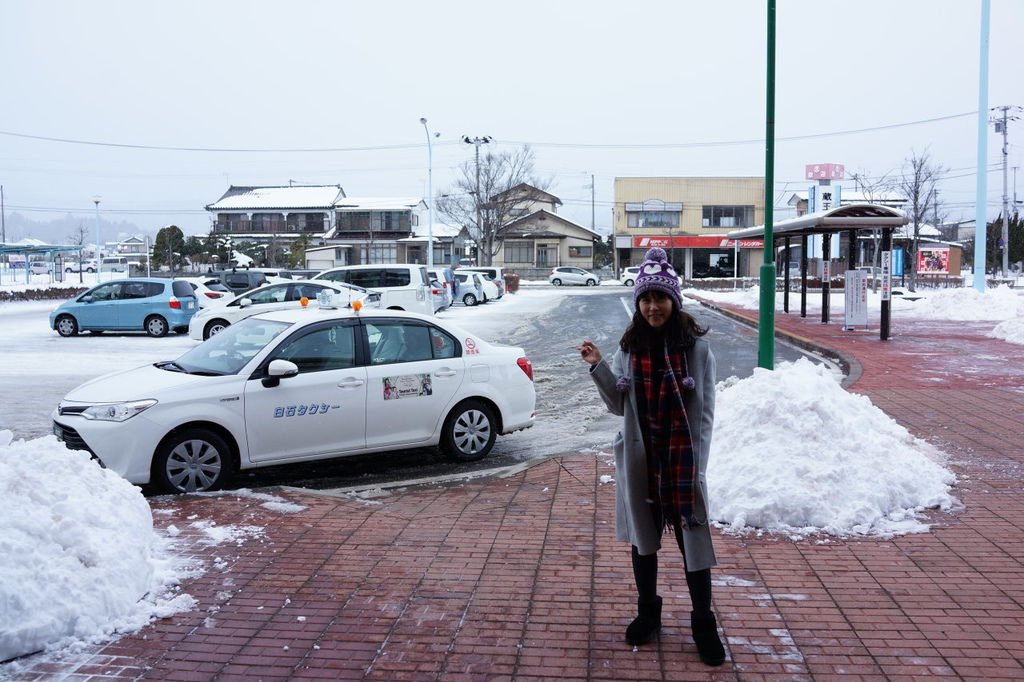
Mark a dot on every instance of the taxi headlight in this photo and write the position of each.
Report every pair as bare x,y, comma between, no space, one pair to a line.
117,412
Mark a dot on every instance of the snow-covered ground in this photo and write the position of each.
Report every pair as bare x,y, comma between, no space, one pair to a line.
80,559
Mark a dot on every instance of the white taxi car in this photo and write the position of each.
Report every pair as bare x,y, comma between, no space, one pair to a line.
275,296
301,385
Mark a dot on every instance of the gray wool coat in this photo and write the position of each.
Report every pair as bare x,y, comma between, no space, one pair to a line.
634,519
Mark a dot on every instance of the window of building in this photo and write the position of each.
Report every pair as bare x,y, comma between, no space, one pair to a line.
581,251
518,251
306,222
653,213
268,222
378,253
728,216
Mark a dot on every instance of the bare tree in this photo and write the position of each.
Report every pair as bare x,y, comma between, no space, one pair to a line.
79,236
918,185
481,200
873,189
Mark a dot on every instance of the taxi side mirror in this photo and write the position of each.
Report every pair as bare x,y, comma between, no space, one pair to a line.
279,369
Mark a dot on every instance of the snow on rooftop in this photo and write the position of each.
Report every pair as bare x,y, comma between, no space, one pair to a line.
379,203
322,196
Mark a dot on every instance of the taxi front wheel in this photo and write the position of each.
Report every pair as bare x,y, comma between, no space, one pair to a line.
195,460
469,432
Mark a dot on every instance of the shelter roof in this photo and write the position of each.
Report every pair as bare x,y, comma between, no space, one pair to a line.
838,219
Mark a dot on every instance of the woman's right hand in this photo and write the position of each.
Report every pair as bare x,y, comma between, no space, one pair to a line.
589,352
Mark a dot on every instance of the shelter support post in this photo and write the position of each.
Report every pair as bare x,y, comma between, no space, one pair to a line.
851,241
826,274
785,276
803,275
883,333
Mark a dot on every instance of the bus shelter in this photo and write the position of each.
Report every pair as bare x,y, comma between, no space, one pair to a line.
51,251
848,220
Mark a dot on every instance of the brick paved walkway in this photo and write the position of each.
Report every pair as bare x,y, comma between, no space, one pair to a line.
521,578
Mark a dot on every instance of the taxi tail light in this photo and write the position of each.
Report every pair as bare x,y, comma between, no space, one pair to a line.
526,366
174,303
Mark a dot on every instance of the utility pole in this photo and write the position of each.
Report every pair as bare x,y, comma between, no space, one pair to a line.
485,238
593,219
3,220
1001,127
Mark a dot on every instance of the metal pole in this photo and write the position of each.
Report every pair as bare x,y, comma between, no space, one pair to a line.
1006,207
99,255
766,316
430,196
3,218
980,219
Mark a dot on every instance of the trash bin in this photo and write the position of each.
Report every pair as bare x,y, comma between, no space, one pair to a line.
511,282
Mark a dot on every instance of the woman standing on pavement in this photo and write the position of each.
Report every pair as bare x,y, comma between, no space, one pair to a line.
662,381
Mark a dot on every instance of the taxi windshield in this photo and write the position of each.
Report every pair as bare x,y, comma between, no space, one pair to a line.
230,350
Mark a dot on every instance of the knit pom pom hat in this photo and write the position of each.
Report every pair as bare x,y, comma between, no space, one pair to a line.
656,274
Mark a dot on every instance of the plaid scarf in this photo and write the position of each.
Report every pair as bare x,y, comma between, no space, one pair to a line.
658,376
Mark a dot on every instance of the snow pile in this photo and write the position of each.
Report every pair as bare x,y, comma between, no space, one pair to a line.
794,453
78,555
965,303
1010,330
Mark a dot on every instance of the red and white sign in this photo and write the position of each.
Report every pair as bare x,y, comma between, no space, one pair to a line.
825,171
696,242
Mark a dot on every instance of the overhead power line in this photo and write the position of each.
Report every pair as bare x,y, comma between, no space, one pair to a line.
566,145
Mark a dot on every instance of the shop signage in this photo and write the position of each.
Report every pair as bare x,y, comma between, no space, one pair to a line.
696,242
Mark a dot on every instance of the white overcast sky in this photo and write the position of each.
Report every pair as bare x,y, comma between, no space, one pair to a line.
609,89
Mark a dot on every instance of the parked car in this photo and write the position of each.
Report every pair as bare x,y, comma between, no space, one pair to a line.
241,280
497,275
152,305
471,287
75,266
209,290
438,295
300,385
277,296
490,288
446,276
572,275
401,286
115,264
629,275
39,267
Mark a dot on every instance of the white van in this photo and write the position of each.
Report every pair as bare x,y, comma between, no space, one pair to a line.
401,286
114,264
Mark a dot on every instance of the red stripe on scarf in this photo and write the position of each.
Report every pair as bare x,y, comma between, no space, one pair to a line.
671,473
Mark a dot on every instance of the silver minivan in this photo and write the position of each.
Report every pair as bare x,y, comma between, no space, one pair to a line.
401,286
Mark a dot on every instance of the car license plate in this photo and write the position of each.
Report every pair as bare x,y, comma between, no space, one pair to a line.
190,305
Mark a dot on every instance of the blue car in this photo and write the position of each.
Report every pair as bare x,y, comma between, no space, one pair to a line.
154,306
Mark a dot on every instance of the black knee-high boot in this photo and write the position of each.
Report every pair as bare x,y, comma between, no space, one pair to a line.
648,620
702,619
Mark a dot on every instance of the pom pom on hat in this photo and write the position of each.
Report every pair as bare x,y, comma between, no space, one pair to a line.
656,273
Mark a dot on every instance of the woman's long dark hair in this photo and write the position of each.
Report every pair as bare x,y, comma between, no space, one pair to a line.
680,328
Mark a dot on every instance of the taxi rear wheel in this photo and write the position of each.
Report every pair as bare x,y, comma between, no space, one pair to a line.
469,432
194,460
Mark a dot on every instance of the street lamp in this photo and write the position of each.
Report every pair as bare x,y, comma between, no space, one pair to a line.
96,200
430,194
